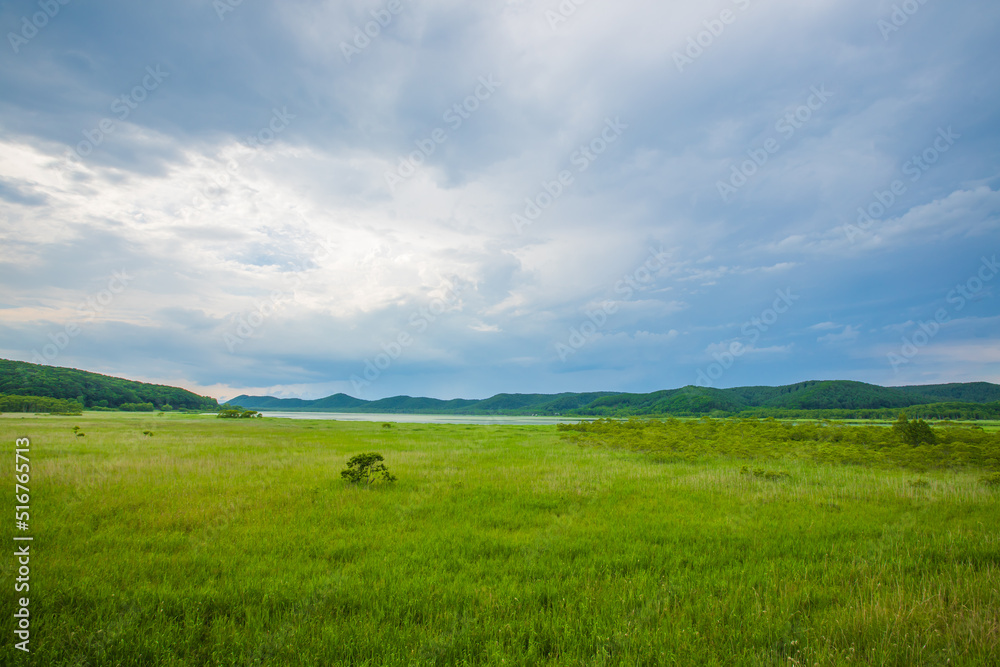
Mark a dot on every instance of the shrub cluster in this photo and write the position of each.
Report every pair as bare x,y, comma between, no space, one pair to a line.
137,407
914,445
239,414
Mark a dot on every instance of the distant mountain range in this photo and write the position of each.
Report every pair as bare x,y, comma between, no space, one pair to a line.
21,383
836,397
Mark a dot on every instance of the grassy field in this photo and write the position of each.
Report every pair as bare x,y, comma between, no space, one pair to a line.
234,542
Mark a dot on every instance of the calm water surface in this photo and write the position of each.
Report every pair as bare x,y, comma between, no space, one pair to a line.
423,419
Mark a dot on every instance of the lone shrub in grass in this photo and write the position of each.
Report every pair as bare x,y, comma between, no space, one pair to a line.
367,469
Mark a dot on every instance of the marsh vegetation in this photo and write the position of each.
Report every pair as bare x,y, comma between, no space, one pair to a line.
236,542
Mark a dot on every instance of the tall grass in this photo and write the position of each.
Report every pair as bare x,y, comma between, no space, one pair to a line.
215,542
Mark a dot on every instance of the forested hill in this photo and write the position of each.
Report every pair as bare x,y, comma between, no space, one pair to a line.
90,390
837,398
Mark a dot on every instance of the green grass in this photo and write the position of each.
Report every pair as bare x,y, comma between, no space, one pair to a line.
218,542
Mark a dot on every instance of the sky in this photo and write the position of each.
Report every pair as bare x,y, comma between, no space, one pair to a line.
457,199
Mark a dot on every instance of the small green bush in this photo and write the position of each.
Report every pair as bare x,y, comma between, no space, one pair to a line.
367,469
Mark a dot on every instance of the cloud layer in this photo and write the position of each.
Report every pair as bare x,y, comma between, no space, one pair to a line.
452,199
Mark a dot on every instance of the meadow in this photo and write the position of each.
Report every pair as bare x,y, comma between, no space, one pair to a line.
236,542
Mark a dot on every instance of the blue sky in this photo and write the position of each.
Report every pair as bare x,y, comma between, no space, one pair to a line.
455,199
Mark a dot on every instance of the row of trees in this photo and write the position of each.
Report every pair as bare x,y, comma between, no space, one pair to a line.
139,407
14,403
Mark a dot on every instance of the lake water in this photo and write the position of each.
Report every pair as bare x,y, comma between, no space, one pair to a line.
424,419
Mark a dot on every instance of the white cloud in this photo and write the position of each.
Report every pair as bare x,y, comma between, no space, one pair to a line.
848,334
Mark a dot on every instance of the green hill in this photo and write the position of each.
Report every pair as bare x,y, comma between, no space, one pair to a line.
840,394
337,402
965,392
818,398
90,390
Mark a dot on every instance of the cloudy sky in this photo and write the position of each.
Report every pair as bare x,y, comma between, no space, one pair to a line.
457,199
